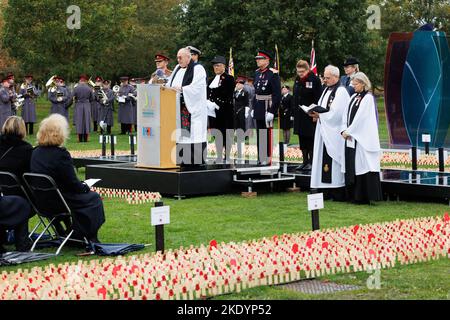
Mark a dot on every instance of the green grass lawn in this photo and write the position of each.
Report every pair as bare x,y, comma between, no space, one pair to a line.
229,218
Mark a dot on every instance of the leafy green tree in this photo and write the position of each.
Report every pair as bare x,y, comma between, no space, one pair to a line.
338,28
37,35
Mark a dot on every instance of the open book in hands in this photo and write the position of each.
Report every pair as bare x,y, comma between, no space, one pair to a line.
313,108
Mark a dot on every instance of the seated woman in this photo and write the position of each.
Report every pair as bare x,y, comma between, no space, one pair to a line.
14,214
52,159
15,156
15,152
361,159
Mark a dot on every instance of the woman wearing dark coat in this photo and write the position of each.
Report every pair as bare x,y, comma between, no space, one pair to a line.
307,91
221,95
15,156
15,152
51,159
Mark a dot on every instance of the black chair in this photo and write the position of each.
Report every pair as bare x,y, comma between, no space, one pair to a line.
10,185
50,204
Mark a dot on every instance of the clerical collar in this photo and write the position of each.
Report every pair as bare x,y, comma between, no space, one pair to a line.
333,86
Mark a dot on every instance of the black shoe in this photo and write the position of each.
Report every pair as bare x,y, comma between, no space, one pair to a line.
307,167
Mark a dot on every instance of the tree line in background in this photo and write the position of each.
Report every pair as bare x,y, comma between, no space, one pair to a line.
120,37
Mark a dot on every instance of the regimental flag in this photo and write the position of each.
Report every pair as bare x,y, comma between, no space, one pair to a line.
313,60
276,64
231,64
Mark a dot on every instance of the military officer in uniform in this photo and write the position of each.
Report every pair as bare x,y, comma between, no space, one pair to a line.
351,67
30,93
241,104
60,99
106,114
286,114
265,105
195,53
125,99
5,101
83,95
162,73
220,102
13,93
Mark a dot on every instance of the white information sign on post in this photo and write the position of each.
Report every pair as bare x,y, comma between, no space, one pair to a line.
315,201
426,138
160,216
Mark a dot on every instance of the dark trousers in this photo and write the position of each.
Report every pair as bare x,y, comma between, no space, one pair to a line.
29,126
307,147
108,130
125,128
264,142
191,155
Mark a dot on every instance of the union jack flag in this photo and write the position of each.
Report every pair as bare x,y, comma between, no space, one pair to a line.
313,60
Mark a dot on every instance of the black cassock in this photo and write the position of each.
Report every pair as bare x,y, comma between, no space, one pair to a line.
86,206
241,101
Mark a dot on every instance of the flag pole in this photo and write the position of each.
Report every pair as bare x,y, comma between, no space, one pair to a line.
280,144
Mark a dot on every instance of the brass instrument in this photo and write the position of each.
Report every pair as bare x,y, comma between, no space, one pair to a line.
51,84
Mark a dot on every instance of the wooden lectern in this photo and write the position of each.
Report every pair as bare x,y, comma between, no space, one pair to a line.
157,118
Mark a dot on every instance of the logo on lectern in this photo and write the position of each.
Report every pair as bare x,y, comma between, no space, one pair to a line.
147,132
149,108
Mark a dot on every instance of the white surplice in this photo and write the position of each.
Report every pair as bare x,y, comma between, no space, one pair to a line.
328,132
364,130
196,103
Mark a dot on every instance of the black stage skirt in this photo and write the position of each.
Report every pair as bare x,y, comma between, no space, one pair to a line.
367,187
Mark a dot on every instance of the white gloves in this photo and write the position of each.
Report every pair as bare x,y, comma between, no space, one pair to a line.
252,113
212,105
269,119
247,112
292,118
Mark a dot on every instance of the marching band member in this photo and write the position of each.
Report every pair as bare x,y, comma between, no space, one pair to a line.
5,101
106,114
83,96
60,98
125,97
95,106
30,93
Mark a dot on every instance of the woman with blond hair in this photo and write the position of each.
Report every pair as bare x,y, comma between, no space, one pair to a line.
51,158
361,159
15,152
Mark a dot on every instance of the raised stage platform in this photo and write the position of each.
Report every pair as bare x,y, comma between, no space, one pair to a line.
121,173
83,162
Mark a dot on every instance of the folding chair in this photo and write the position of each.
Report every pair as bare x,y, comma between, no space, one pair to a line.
10,185
49,203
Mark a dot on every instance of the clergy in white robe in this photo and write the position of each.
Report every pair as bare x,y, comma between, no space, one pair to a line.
361,160
188,78
326,173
